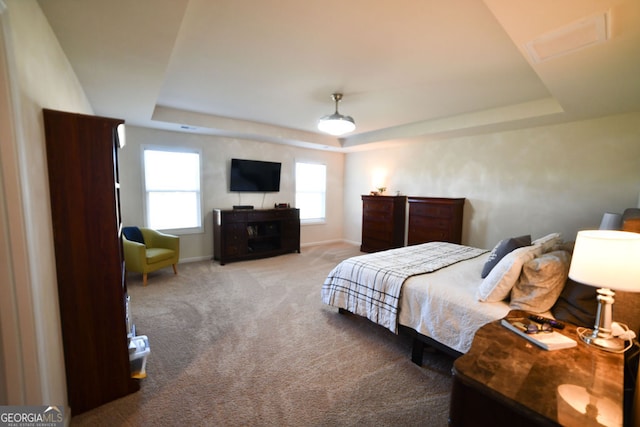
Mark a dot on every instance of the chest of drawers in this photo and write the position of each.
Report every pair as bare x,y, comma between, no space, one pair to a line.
435,219
383,222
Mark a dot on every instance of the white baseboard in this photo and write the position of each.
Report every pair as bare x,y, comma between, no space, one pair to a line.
327,242
195,259
302,245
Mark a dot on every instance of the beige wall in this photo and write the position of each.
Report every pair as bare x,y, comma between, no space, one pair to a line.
546,179
217,153
39,75
555,178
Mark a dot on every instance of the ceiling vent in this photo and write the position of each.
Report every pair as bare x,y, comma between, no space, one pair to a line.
569,39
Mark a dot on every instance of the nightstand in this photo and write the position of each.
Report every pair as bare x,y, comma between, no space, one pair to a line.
504,380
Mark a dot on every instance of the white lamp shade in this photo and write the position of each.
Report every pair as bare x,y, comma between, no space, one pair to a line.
607,259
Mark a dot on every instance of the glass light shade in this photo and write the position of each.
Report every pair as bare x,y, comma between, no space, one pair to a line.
336,124
607,259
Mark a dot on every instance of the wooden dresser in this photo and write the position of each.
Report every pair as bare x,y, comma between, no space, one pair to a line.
435,219
383,219
241,234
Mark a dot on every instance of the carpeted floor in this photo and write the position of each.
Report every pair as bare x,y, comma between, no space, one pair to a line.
251,344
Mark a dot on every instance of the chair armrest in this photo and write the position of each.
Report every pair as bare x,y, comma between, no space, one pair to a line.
135,255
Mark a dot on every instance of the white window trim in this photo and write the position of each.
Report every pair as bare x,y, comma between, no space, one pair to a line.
312,221
178,231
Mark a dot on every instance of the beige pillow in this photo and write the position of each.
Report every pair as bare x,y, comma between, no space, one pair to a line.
541,282
497,285
548,242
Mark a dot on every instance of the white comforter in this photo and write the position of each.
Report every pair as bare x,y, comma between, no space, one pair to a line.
369,285
441,304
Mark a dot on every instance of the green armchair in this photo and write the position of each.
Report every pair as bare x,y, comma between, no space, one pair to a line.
147,250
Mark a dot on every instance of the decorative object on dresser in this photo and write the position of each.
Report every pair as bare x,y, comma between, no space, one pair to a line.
435,219
242,234
383,219
82,157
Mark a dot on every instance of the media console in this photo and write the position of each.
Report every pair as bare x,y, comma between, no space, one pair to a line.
241,234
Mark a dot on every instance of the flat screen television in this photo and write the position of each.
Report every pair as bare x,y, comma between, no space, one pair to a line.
254,176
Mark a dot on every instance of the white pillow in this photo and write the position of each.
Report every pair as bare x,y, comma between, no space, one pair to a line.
503,247
547,242
497,285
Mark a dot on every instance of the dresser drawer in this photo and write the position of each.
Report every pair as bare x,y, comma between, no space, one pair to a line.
376,223
420,223
425,236
273,214
374,245
381,207
432,211
377,234
234,216
371,217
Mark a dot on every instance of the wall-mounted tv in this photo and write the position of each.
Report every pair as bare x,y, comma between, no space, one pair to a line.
254,176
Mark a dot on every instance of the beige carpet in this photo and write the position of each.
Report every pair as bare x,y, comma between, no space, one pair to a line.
251,344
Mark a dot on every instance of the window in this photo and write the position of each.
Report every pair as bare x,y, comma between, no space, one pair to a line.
311,186
172,189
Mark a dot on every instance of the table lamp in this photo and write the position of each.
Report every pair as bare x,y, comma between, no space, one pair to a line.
611,221
609,260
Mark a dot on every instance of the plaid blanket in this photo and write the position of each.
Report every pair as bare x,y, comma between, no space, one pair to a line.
369,285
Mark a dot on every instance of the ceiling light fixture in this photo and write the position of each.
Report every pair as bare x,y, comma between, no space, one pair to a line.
336,124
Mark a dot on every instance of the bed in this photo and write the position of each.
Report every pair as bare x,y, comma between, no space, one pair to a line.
442,298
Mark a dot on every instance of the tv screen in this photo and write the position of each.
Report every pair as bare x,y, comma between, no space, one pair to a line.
254,176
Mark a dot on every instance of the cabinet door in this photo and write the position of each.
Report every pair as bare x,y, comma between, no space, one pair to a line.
290,230
234,239
234,234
